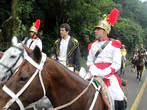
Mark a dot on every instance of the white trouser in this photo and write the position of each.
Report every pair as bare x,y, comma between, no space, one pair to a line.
115,90
71,68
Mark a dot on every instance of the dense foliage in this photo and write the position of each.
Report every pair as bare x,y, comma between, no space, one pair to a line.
82,15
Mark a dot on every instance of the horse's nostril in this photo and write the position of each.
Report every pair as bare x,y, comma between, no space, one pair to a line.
23,78
4,78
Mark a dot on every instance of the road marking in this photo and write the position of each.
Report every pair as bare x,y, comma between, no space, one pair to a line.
138,98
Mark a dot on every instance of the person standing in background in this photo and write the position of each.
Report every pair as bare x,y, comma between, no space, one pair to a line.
66,49
34,40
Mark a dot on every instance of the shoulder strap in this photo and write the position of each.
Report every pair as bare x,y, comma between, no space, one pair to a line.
30,43
102,47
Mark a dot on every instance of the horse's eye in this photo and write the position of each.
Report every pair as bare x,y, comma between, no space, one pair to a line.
13,56
23,78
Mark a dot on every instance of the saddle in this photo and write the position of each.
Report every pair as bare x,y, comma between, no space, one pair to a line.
103,92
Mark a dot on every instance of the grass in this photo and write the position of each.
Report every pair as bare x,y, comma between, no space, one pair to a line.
83,63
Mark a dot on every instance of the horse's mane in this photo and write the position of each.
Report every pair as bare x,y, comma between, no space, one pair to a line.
63,72
1,54
58,65
37,54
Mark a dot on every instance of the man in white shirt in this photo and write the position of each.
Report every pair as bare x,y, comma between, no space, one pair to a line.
34,40
67,50
107,62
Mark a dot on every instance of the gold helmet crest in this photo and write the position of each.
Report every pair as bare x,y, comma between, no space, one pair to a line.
108,20
35,27
104,24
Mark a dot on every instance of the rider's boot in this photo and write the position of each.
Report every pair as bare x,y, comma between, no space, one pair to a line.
137,76
124,82
140,78
120,105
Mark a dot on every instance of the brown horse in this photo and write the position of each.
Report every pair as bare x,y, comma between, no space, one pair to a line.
140,63
61,85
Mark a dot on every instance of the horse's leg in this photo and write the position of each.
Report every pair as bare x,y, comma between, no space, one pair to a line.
137,74
124,68
140,76
121,71
141,72
134,68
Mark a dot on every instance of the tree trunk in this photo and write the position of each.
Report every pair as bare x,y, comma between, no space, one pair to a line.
13,7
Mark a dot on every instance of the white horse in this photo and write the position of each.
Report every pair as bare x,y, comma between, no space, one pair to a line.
11,60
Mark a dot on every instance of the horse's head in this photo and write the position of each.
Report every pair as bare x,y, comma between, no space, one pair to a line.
25,73
11,59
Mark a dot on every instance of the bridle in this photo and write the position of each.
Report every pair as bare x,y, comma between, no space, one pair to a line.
10,68
15,97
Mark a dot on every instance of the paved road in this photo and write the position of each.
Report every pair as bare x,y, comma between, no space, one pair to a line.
134,88
143,103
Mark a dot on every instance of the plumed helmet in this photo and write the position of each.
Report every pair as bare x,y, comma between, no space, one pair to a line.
35,27
104,24
108,20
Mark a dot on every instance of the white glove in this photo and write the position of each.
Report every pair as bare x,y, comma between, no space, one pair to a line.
95,71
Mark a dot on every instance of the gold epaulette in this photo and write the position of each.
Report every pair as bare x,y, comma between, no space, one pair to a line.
57,41
75,40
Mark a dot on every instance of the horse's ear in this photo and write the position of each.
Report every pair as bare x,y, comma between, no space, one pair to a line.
25,40
27,50
37,53
1,54
14,40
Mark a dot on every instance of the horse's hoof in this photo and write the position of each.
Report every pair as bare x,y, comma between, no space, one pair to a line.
137,79
139,82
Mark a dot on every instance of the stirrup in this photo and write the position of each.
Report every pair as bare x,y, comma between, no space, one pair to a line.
125,102
124,82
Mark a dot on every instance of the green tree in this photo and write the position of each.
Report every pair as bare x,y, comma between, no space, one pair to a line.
129,32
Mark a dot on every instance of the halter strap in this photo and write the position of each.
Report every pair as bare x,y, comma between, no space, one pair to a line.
95,96
75,99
